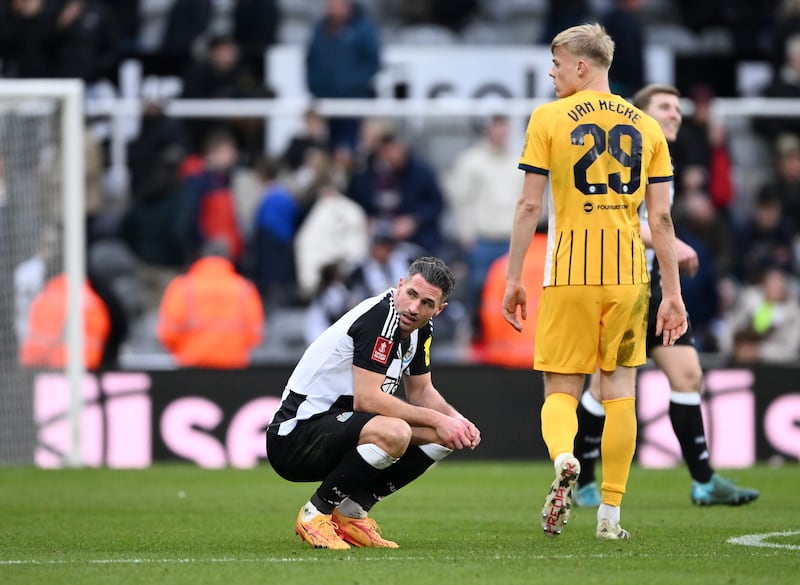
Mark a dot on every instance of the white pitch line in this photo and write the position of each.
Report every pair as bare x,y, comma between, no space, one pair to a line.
325,556
760,540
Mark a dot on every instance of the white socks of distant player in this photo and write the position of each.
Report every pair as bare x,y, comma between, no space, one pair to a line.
686,398
592,405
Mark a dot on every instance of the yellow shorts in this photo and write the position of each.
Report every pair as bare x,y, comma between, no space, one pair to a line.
582,327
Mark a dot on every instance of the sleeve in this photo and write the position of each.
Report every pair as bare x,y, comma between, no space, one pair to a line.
421,363
535,156
373,338
660,168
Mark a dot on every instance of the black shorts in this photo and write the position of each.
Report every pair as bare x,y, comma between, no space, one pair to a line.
315,446
655,300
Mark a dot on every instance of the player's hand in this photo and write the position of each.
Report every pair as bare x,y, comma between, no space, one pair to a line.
688,263
671,320
473,433
455,433
515,297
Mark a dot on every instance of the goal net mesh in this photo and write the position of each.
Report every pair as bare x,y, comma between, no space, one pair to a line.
31,249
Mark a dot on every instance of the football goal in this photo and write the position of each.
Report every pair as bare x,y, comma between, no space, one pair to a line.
41,234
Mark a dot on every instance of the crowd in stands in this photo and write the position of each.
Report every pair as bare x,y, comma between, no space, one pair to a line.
339,212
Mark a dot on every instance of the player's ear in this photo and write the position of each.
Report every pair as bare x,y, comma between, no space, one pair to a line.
441,308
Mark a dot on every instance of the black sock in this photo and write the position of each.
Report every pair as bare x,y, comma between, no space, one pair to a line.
408,468
587,443
351,473
687,422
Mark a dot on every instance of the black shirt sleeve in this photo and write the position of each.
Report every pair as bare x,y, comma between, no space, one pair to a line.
373,347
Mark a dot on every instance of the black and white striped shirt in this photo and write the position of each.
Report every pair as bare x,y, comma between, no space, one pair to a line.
367,336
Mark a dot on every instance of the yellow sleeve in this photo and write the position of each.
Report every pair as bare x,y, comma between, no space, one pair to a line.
536,150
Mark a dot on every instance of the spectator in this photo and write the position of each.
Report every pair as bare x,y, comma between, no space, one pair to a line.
211,317
94,168
313,135
155,225
276,223
45,345
786,24
702,145
330,301
500,344
334,231
30,275
624,26
221,74
785,186
27,37
213,207
399,187
388,261
86,41
697,219
157,134
482,191
125,13
451,14
342,60
186,24
785,84
562,14
255,29
118,320
765,239
764,326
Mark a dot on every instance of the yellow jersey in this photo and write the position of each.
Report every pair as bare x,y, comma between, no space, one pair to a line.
599,152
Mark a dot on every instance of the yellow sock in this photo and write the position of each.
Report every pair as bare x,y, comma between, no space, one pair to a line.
617,447
559,423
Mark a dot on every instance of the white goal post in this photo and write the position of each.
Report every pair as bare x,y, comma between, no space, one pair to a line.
67,165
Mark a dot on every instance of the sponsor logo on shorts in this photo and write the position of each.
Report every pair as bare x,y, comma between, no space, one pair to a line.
382,350
344,416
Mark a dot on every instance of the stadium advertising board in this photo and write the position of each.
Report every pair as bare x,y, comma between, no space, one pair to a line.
218,418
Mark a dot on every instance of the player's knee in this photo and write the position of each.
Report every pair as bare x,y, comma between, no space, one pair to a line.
393,436
687,380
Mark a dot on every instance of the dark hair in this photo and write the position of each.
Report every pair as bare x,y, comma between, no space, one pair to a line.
435,272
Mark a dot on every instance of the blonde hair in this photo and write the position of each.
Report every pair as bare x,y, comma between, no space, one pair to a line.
586,40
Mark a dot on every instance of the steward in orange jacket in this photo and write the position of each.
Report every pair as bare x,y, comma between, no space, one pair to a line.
45,346
211,317
501,344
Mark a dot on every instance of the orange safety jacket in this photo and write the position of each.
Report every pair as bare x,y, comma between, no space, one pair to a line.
45,346
501,344
211,317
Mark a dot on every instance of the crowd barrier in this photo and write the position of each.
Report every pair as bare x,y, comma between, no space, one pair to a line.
218,418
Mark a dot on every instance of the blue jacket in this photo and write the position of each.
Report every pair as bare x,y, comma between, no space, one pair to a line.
342,64
420,196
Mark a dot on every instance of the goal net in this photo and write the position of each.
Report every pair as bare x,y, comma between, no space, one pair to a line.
41,234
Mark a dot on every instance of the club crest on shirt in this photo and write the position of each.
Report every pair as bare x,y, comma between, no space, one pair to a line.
343,416
382,350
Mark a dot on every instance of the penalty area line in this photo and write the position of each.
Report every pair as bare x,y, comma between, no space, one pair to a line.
761,540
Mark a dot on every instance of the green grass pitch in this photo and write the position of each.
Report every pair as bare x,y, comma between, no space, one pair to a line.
461,523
